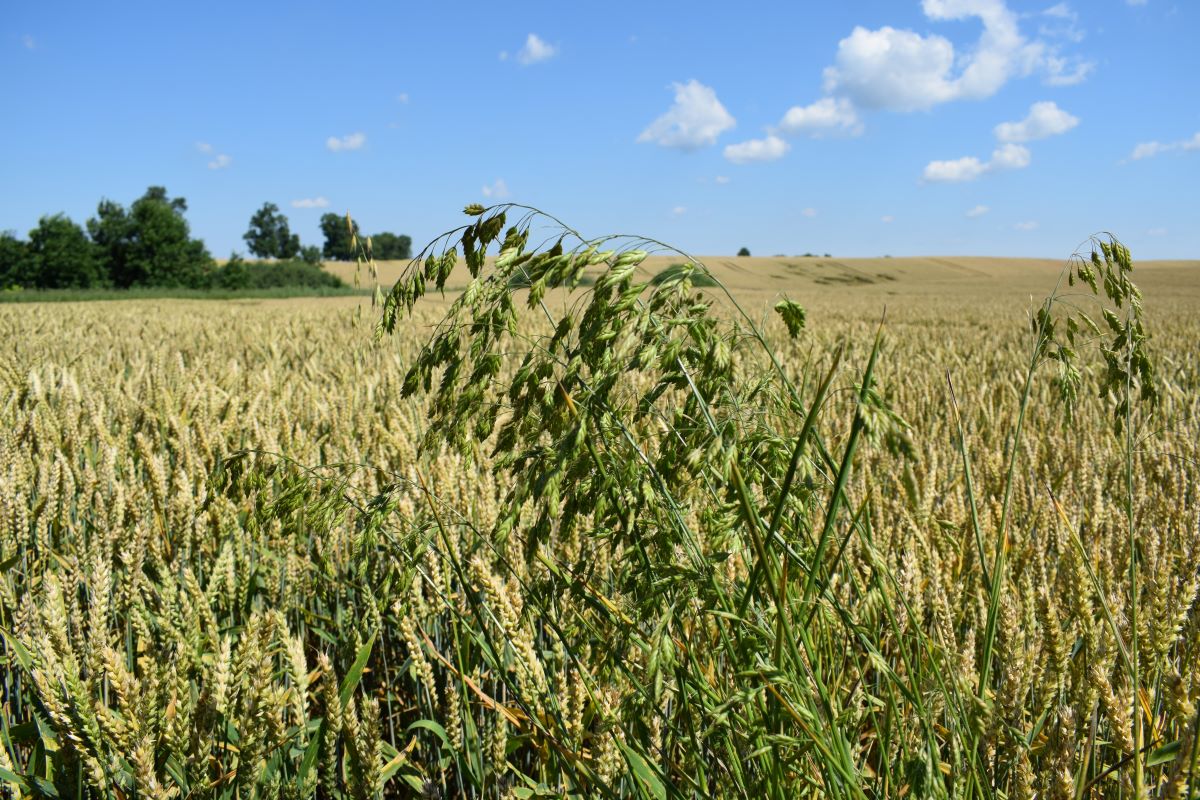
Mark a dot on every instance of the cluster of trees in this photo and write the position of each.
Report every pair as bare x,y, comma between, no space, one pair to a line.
150,244
340,234
147,244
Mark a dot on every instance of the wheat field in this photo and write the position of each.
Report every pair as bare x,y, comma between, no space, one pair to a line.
236,560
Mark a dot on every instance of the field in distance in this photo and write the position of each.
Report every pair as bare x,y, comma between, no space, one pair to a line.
908,276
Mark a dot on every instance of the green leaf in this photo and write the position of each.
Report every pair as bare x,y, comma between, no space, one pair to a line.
643,771
350,682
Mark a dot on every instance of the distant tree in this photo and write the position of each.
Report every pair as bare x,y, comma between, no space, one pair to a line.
112,232
745,251
60,256
269,235
338,237
390,247
13,258
150,244
310,254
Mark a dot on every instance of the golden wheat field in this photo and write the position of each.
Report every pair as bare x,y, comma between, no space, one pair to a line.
237,561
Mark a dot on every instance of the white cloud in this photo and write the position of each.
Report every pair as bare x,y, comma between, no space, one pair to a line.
204,147
679,211
824,116
503,56
887,219
1044,119
498,189
977,211
1010,156
535,50
28,42
1151,149
1030,225
768,149
1157,232
222,161
902,70
809,212
1006,156
1135,2
351,141
694,120
311,202
956,171
721,179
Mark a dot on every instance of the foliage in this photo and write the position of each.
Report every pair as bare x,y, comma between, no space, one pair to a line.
150,244
269,235
239,274
341,235
390,247
310,254
12,260
745,251
60,255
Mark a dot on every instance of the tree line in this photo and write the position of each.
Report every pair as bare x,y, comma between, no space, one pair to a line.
149,244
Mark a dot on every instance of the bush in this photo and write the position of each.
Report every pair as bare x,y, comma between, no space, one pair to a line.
745,251
240,274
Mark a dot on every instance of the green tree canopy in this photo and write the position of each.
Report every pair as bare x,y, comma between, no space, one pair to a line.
391,247
12,260
150,244
62,257
270,236
338,237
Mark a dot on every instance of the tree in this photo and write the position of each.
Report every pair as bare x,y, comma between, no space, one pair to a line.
62,257
745,251
269,235
339,232
390,247
150,244
112,232
310,254
12,260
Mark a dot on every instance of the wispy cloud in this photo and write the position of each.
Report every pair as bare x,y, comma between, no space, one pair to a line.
28,42
311,202
498,189
694,120
1005,157
1043,120
721,179
1157,232
887,219
351,141
1028,225
679,211
825,116
402,98
809,212
768,149
1151,149
204,147
536,50
977,211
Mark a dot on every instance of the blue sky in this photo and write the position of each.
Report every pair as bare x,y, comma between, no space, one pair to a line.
903,127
